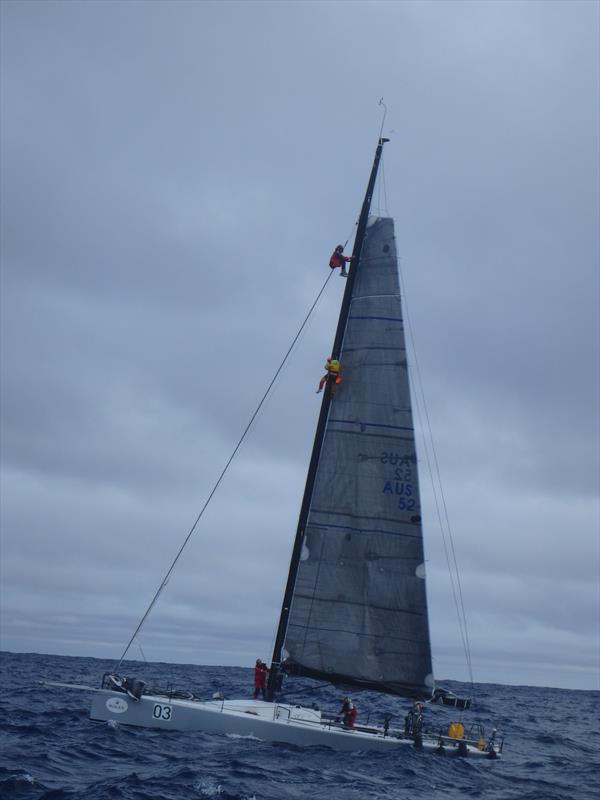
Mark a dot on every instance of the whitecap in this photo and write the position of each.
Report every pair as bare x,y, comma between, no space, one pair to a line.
208,788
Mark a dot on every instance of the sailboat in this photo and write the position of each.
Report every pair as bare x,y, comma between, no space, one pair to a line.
354,611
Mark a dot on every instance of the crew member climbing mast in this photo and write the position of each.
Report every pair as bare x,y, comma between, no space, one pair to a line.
338,259
333,367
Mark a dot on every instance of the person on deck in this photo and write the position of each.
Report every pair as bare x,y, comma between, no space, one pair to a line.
332,365
338,259
260,678
348,713
413,722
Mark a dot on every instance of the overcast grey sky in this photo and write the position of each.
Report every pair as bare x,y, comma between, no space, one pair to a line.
174,177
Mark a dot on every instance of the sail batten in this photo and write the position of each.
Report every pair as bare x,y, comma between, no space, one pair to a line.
358,612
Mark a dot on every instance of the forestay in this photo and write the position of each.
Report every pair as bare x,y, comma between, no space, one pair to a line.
359,607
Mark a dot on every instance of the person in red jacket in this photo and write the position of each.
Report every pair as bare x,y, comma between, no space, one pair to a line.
338,259
348,713
260,678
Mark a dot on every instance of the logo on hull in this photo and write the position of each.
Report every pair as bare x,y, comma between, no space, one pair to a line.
117,705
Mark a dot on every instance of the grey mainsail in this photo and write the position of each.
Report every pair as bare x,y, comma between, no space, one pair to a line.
359,610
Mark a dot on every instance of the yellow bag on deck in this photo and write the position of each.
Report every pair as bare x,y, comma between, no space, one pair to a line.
456,730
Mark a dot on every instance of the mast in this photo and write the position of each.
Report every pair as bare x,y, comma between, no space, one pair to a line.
321,424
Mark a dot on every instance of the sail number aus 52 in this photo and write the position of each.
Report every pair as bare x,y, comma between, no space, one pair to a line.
161,712
404,492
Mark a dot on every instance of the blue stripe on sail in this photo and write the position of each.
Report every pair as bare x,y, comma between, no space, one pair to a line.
376,607
322,525
374,435
370,424
356,516
381,347
385,319
362,633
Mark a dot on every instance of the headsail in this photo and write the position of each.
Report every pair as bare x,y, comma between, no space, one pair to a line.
359,610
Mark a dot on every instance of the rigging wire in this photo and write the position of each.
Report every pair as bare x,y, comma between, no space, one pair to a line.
446,530
440,502
165,580
142,652
351,233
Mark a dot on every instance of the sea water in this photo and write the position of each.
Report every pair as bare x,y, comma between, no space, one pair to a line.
50,749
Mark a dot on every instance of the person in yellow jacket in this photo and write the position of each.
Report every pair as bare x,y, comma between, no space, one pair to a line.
332,365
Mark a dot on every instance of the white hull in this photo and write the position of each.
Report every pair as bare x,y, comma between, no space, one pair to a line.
270,722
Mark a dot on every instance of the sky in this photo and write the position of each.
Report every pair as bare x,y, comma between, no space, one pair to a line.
174,178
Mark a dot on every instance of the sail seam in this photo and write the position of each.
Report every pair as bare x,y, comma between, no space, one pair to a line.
368,530
394,520
387,609
372,424
361,635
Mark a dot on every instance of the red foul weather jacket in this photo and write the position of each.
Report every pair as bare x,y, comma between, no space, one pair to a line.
338,260
260,675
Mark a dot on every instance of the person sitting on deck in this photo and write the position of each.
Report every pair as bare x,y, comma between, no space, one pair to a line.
348,713
332,365
260,678
338,259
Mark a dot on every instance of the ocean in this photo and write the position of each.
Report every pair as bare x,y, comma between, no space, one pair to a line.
50,750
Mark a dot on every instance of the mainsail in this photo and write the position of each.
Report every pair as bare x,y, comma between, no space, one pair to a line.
355,610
